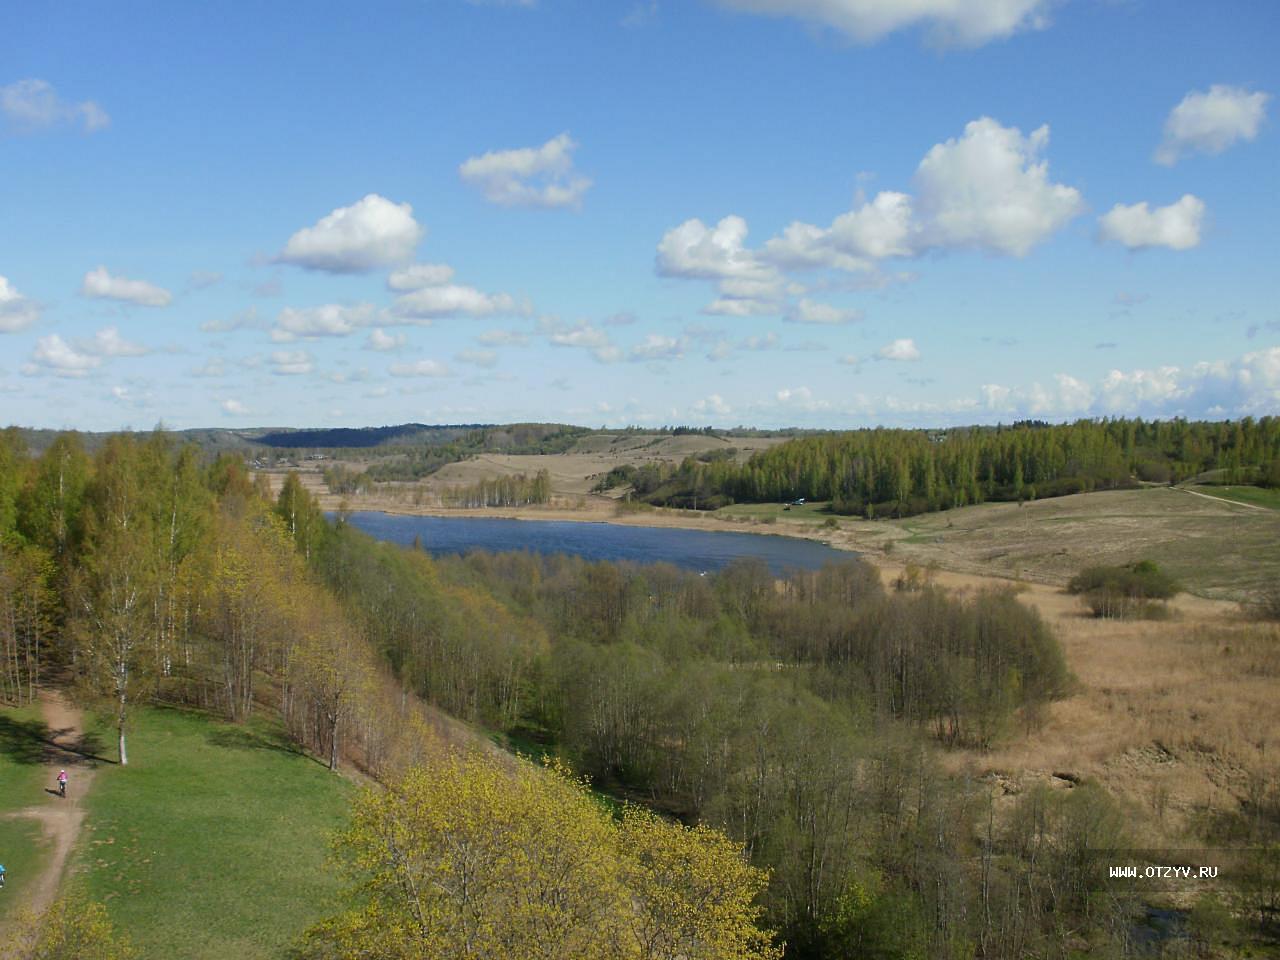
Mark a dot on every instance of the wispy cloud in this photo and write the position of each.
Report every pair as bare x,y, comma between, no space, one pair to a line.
541,176
33,104
100,284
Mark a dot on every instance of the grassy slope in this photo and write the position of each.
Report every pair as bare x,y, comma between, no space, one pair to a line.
818,511
23,849
21,750
23,846
1256,496
1215,548
212,842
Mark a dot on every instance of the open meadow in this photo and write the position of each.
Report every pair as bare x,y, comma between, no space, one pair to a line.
212,843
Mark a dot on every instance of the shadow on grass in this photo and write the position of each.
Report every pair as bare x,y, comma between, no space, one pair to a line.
246,738
33,741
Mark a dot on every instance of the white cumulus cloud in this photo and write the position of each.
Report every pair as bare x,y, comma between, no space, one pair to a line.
990,189
583,336
1137,226
711,253
1210,121
384,342
234,408
529,176
1248,385
657,347
747,285
329,320
420,275
291,363
54,355
33,104
107,342
955,22
451,300
882,228
16,311
99,283
810,311
903,349
373,232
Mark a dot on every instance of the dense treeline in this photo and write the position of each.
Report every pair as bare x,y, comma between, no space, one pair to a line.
882,472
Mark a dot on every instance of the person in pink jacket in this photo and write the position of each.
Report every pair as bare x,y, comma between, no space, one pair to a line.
62,783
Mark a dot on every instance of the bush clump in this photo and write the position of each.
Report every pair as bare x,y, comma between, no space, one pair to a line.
1135,590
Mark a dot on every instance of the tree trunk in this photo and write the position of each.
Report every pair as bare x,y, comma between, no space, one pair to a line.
333,742
120,717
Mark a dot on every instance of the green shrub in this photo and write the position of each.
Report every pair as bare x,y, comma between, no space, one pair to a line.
1132,591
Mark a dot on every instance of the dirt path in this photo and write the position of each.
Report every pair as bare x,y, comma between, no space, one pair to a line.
60,819
1233,503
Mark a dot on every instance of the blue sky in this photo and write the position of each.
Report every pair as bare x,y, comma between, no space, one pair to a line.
827,213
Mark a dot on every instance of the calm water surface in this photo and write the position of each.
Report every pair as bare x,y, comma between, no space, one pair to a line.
692,549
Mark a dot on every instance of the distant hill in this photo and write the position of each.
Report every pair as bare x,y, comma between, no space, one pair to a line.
363,437
463,439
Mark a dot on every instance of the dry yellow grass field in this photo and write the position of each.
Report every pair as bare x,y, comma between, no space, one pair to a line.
1175,718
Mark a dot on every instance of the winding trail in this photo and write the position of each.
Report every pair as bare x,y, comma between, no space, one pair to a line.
1224,500
60,818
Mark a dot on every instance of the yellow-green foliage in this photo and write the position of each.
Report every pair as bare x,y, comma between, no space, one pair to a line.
692,891
469,858
74,928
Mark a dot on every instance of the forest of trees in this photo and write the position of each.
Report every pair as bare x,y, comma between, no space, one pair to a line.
143,574
805,719
881,472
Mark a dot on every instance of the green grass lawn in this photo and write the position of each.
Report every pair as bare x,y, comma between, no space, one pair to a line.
817,511
23,777
212,843
23,848
1257,496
